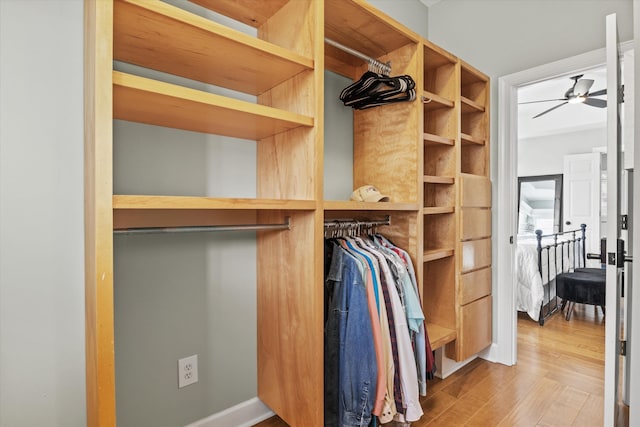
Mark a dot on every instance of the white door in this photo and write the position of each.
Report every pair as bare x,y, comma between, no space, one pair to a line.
613,323
581,197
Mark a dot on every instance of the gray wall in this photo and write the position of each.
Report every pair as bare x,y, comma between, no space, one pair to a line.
42,380
544,155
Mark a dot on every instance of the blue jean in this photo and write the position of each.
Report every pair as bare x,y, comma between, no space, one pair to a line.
350,363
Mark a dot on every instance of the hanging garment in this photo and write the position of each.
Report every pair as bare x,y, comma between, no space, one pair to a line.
348,332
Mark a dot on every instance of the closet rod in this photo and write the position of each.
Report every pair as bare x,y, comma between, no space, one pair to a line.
200,229
385,68
356,223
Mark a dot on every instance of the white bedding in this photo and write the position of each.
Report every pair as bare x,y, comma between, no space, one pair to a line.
529,290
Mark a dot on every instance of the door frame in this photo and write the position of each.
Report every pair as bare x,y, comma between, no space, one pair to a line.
504,348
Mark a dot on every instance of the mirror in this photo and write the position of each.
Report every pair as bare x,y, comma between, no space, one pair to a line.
540,204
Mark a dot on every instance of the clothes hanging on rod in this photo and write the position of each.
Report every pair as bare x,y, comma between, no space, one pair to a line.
374,330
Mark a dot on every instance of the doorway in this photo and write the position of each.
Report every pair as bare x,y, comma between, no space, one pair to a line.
504,349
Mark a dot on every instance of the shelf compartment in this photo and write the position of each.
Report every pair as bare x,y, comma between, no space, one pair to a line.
340,205
439,192
143,100
441,122
430,139
360,26
439,71
474,160
439,336
162,37
474,85
432,101
439,160
439,231
439,292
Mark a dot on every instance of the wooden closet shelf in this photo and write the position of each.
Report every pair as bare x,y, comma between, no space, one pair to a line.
429,179
439,335
438,210
339,205
436,254
469,106
471,140
431,139
162,37
143,100
123,202
249,12
435,57
362,27
435,101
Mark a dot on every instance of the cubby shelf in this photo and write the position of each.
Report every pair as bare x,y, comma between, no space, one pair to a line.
438,179
162,37
144,100
469,106
438,210
439,335
433,102
431,139
436,254
470,139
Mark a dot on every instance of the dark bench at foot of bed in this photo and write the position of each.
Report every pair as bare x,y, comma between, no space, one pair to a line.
583,286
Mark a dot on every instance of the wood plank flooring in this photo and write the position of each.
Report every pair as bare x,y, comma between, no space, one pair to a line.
558,380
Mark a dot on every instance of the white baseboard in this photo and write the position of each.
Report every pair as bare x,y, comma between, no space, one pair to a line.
245,414
446,366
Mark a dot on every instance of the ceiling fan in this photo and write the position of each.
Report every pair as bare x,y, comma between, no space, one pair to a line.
577,94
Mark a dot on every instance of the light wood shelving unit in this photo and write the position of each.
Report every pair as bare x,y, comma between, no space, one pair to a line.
431,157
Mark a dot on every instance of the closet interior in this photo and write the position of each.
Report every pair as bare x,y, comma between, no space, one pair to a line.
430,156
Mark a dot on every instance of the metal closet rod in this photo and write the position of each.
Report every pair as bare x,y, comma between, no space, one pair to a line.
386,68
355,223
205,229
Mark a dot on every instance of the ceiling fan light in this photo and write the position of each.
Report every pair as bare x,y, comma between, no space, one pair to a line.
577,100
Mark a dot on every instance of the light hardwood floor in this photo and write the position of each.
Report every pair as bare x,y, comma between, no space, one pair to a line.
558,380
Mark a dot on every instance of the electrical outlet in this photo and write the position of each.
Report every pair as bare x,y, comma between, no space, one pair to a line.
187,371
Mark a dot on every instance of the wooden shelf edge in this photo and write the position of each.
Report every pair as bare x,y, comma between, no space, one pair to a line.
435,254
438,210
468,104
340,205
471,140
436,101
180,107
431,139
430,179
143,202
439,335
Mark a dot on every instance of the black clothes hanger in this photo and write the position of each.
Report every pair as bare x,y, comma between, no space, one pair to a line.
374,89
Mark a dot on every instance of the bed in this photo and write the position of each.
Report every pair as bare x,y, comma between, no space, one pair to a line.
539,259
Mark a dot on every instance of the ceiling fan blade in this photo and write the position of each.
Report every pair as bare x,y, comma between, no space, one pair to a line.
582,87
594,102
550,109
598,92
544,100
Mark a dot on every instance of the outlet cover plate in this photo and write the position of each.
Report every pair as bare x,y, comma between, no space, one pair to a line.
187,371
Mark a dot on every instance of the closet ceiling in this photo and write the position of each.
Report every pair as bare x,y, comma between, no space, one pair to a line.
568,118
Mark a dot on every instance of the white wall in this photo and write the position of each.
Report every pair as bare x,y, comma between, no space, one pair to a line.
42,374
544,155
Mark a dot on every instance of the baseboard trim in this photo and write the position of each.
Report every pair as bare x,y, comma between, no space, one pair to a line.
245,414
